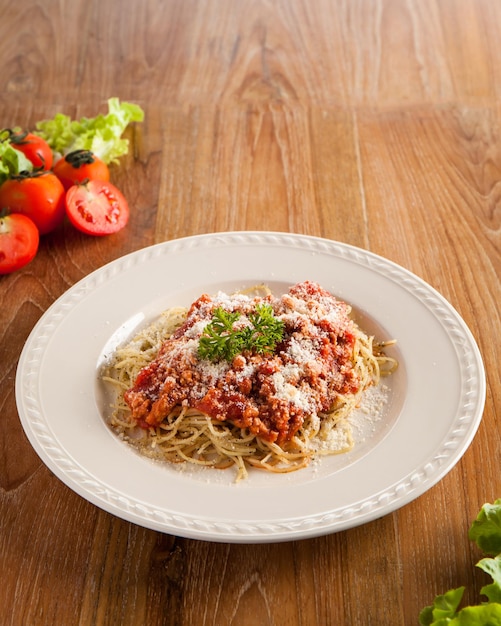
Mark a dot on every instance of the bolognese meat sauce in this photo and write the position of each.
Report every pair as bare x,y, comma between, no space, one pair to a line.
270,394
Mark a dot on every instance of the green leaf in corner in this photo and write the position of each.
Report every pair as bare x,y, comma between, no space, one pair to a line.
443,608
486,529
493,568
482,615
426,616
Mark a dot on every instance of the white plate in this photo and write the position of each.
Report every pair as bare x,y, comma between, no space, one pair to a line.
433,409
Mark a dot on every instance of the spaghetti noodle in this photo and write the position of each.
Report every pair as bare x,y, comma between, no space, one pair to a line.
275,410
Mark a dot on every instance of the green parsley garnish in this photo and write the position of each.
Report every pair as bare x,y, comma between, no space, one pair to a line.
221,341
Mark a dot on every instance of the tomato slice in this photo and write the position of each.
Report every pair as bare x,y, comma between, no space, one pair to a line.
97,207
19,240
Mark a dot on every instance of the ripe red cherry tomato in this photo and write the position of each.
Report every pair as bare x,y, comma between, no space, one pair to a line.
78,166
38,195
18,242
34,148
97,207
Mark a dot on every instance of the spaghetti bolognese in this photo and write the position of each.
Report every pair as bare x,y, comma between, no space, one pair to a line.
246,380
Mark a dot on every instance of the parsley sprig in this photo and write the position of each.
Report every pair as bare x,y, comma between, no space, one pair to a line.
222,341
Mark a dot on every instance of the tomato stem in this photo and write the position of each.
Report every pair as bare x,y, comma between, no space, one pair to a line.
77,158
15,137
24,174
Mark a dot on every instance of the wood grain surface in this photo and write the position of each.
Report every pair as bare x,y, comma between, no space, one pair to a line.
373,122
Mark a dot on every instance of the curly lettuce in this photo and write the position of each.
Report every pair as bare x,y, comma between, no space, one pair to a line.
445,611
12,161
102,134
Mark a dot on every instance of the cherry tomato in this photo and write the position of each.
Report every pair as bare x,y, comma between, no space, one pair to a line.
38,195
34,148
18,241
78,166
97,207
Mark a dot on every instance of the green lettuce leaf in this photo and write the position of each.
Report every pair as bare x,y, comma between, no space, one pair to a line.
102,134
443,608
443,612
482,615
493,568
486,529
12,161
486,532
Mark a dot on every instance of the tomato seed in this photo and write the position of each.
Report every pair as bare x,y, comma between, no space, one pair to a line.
113,214
87,215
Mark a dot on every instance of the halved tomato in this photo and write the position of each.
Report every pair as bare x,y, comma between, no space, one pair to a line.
97,207
18,241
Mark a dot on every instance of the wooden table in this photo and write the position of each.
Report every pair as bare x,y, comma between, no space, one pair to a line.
374,123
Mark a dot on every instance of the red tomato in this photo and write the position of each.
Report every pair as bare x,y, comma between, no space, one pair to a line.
80,165
18,242
34,148
97,207
39,196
